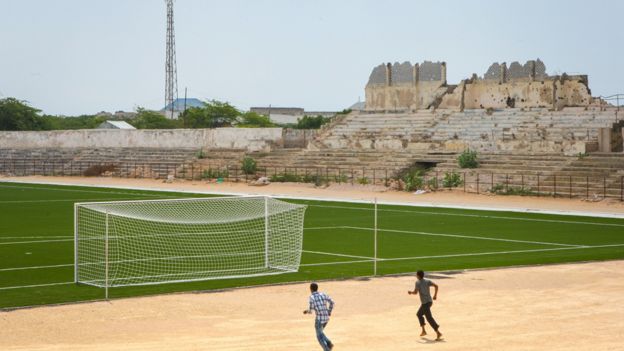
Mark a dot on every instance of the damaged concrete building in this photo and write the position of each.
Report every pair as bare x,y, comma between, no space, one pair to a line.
408,87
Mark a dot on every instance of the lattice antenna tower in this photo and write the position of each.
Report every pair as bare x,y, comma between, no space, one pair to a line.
171,70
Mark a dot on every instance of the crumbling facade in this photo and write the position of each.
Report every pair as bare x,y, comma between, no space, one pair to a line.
402,86
407,87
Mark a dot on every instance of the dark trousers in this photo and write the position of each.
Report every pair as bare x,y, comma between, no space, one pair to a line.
425,310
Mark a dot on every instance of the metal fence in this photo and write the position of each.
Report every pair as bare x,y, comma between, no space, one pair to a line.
617,100
593,187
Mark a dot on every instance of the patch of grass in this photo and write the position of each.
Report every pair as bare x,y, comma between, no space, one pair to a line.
286,178
501,189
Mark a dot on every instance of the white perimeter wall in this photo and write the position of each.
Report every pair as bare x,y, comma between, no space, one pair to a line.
253,139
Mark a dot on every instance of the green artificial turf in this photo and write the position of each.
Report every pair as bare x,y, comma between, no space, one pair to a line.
36,242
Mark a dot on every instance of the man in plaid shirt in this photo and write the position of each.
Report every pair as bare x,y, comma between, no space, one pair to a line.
319,303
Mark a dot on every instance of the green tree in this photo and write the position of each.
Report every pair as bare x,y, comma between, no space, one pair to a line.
67,123
254,120
146,119
214,114
18,115
310,122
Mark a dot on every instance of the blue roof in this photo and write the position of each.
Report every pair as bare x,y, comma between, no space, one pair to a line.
178,104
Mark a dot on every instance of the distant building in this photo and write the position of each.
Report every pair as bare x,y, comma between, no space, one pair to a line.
179,105
285,115
117,114
115,125
358,106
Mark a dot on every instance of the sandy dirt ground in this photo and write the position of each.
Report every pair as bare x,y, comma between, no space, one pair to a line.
352,192
559,307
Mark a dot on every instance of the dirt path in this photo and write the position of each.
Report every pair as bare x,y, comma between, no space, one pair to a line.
353,192
562,307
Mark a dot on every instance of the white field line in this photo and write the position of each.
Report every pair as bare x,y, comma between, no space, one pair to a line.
472,215
329,199
333,263
466,237
385,259
34,286
500,252
70,200
336,254
58,238
35,241
36,237
35,267
321,228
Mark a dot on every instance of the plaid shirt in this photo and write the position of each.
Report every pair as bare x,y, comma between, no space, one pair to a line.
318,303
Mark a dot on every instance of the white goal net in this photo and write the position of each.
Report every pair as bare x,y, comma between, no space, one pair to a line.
164,241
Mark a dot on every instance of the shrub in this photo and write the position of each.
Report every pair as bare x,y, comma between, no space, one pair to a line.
214,174
342,178
452,180
254,120
468,159
363,181
310,122
500,189
249,165
413,180
201,154
432,184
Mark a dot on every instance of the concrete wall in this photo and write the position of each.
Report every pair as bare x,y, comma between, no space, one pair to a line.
297,138
611,139
406,87
252,139
492,94
550,92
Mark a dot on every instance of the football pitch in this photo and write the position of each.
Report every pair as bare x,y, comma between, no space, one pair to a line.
37,245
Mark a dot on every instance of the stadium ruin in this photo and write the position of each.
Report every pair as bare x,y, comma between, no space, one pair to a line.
533,132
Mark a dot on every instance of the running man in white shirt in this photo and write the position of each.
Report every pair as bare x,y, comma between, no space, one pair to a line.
322,305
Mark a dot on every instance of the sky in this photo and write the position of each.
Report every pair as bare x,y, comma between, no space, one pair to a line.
71,57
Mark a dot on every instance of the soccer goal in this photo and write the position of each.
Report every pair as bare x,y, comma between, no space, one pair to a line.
125,243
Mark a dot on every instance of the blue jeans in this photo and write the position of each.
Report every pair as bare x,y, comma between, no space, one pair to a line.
322,339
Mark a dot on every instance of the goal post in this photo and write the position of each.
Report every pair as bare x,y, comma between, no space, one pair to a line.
126,243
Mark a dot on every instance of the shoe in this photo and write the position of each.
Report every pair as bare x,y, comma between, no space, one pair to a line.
330,345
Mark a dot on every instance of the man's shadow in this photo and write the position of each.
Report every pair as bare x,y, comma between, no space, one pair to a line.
426,340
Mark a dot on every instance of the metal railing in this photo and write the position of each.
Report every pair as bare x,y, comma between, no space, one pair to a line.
589,187
618,99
